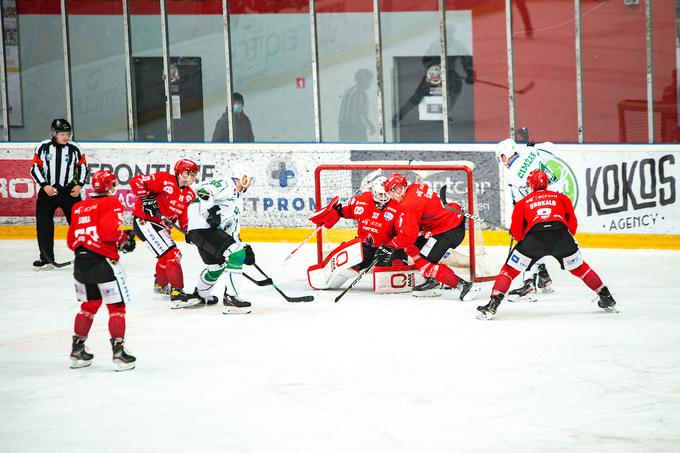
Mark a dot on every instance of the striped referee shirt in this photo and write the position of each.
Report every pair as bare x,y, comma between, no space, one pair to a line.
62,166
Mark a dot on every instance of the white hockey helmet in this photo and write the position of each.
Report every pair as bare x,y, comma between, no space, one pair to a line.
242,177
380,195
507,148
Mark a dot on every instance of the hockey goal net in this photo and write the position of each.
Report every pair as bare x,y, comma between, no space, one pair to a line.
348,180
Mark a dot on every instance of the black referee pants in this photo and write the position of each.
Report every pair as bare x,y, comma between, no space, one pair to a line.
46,206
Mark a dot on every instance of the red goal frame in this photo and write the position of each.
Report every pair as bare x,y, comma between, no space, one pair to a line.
396,167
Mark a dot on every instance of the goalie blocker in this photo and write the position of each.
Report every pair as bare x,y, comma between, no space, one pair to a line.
350,257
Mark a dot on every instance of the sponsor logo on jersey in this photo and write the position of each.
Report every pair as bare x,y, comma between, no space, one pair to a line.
388,216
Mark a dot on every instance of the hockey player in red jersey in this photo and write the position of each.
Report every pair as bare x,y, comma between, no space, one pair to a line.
543,223
425,230
163,198
376,213
95,237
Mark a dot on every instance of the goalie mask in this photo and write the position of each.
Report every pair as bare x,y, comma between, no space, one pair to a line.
380,195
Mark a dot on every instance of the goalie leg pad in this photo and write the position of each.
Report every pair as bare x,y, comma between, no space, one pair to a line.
340,261
394,279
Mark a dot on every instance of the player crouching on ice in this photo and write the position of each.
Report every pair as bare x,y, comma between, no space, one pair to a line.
425,230
376,212
163,198
95,238
543,223
214,227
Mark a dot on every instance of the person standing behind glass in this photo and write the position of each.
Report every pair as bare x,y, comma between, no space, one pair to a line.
353,122
243,130
60,168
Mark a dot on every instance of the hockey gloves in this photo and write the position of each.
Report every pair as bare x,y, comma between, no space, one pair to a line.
383,256
250,255
128,244
150,206
214,218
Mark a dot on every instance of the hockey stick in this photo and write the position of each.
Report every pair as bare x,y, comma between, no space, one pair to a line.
266,282
529,86
368,178
288,298
445,205
54,263
356,280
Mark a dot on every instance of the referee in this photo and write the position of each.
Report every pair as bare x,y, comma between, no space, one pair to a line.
61,170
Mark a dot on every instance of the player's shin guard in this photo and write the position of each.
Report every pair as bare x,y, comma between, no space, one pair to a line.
440,272
589,277
171,260
208,278
117,320
85,316
504,280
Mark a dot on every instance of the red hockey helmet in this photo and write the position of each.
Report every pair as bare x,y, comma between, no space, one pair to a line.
395,180
103,181
537,180
185,165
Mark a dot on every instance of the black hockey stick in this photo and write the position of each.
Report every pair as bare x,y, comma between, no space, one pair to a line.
288,298
445,205
266,282
356,280
54,263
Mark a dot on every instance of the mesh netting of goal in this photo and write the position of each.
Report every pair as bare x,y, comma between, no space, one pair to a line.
348,180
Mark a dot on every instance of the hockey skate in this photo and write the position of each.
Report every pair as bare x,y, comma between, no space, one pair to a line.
525,293
162,290
544,282
40,265
80,358
180,299
606,302
466,290
121,359
234,305
199,302
429,288
488,311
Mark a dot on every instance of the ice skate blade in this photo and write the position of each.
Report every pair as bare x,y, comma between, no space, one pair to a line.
547,290
428,293
122,366
531,297
236,310
184,303
472,294
611,310
46,267
485,316
75,364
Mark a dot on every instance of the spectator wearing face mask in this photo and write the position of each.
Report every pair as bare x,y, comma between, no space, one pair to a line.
243,130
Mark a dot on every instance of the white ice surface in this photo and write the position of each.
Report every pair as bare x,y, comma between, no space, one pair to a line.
370,374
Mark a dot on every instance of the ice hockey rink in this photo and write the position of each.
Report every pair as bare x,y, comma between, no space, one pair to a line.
372,373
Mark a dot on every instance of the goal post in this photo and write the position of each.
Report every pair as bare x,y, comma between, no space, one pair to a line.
344,180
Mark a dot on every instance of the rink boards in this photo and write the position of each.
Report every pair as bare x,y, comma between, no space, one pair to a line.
625,196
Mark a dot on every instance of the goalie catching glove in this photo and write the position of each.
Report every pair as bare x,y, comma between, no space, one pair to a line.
329,215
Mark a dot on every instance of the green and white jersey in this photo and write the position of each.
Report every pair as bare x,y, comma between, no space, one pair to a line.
530,158
222,193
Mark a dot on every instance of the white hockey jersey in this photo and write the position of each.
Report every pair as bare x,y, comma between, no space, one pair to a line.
222,193
530,158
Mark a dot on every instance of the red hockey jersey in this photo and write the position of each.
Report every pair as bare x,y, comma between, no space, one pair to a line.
540,207
172,201
374,223
94,225
422,212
